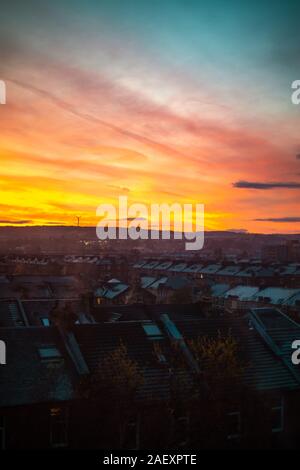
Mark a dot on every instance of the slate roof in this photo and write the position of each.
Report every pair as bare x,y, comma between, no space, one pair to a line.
230,271
193,268
139,264
175,312
177,282
151,265
264,339
35,310
249,271
276,295
10,313
211,269
164,265
293,301
146,281
135,312
158,283
97,341
26,378
264,369
111,289
243,293
289,270
217,290
178,267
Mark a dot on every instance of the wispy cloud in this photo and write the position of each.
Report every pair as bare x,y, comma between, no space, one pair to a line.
279,219
266,185
15,222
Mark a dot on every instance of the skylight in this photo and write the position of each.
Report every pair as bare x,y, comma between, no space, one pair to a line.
49,353
45,321
152,331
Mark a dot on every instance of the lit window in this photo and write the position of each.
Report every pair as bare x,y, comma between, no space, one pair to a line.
58,427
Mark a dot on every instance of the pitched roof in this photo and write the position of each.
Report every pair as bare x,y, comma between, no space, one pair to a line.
158,283
193,268
177,282
243,293
293,301
111,289
230,270
146,281
27,378
264,369
11,313
275,295
211,269
164,265
97,341
178,267
217,290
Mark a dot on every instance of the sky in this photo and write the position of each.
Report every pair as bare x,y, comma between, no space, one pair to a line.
160,101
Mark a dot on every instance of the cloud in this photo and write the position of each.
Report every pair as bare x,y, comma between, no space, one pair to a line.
68,107
263,185
16,222
279,219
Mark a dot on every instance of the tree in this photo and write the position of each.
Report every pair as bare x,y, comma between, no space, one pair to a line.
112,387
117,374
218,358
219,385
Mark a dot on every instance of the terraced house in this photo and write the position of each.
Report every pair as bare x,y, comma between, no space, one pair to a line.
173,380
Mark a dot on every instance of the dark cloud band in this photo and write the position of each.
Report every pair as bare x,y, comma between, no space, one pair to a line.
279,219
265,185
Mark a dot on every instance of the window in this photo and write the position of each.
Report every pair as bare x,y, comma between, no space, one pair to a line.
58,427
152,331
233,425
181,431
277,416
49,353
130,436
2,432
45,321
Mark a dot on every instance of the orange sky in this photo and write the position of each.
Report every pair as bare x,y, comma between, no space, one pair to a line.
81,129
